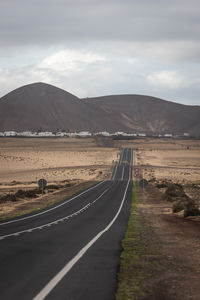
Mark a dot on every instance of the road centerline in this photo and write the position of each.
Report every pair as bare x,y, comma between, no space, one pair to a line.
59,276
53,208
57,220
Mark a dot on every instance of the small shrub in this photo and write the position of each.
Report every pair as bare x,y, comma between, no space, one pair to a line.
20,194
178,206
161,185
169,198
31,194
191,208
13,198
53,187
68,184
173,192
8,197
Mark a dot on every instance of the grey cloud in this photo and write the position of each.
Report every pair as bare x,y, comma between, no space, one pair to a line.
116,76
46,22
138,38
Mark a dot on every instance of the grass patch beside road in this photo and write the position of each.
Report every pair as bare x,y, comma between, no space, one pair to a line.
140,257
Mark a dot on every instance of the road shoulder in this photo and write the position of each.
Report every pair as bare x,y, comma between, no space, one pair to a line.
160,257
26,206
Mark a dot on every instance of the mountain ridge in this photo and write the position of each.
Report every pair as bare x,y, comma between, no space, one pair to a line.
43,106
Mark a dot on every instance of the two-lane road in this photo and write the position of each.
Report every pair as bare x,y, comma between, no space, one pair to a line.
71,250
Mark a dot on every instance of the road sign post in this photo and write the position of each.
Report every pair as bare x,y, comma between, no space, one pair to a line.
42,184
143,184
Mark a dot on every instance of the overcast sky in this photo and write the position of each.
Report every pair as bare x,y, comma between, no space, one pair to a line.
101,47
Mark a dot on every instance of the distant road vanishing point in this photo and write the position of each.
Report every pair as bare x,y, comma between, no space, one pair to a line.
70,250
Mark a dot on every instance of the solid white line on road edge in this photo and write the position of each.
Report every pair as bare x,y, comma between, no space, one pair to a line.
56,221
57,278
126,154
50,209
116,167
121,157
122,173
131,163
119,163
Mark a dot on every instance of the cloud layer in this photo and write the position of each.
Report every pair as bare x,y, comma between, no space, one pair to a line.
103,47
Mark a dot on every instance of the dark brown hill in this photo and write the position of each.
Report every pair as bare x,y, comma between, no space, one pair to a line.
43,106
147,114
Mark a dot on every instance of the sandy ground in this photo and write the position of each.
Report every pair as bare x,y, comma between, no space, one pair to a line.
27,160
167,159
24,161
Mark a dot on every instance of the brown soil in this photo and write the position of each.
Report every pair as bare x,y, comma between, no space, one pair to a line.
179,242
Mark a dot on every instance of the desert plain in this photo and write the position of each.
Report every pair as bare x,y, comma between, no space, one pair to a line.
81,161
61,161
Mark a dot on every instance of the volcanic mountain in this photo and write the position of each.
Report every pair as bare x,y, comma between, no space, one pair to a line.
41,106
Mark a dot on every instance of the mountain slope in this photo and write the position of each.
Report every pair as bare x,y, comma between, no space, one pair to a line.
147,114
43,106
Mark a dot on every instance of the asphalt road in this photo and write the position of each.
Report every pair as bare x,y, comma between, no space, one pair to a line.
71,250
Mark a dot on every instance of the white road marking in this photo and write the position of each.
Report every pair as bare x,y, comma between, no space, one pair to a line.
59,276
56,221
121,157
115,171
131,163
126,154
50,209
122,173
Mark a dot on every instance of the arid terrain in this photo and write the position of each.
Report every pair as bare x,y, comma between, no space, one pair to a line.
60,161
167,245
73,161
167,159
27,160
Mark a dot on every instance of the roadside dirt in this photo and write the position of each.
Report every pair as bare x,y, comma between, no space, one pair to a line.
26,205
178,239
24,161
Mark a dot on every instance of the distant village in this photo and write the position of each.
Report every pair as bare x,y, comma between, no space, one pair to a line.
84,134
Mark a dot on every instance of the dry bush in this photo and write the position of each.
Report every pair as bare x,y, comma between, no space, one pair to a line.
161,185
178,206
28,194
191,208
8,197
174,192
53,187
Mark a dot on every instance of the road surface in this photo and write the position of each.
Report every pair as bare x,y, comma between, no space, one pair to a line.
70,250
